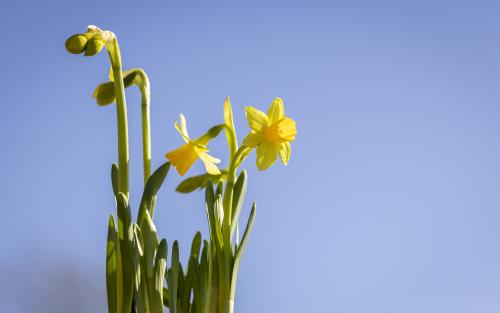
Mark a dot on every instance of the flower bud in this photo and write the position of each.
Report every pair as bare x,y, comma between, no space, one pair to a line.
94,46
104,94
76,44
89,35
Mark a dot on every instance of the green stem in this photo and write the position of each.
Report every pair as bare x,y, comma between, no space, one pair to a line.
227,306
226,298
121,114
227,201
146,128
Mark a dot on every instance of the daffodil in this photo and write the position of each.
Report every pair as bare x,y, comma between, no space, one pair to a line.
183,157
271,133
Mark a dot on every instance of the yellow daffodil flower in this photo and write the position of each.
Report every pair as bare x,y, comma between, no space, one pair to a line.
271,133
183,158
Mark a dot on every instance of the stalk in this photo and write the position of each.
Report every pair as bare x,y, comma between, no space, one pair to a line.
146,128
121,116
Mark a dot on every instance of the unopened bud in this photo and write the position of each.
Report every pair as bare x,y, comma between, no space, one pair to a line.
104,94
94,46
76,44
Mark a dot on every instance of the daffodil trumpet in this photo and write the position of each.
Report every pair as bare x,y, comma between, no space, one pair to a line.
138,279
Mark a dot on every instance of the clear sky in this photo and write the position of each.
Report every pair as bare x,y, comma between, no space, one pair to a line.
391,199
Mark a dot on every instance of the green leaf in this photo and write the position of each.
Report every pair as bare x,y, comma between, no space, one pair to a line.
141,290
183,292
217,222
239,192
190,184
220,187
125,237
237,240
203,276
173,278
192,272
114,178
159,273
111,266
195,246
193,283
137,254
239,253
209,202
150,240
165,297
152,186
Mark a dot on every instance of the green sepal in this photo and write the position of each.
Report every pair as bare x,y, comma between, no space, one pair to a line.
111,266
152,186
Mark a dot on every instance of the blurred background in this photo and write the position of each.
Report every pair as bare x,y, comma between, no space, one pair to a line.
391,199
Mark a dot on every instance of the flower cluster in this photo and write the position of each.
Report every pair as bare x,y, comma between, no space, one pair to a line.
270,134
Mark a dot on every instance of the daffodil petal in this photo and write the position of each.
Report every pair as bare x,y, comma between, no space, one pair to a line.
209,162
182,158
207,157
182,129
257,120
266,155
253,139
276,111
284,150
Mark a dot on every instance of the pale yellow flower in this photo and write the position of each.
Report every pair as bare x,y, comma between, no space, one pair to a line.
271,133
183,157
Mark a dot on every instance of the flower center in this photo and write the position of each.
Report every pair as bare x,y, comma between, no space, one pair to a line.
282,131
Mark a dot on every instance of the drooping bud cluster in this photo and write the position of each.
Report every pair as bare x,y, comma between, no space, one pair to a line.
90,43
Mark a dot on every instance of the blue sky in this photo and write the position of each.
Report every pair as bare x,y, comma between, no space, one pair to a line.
390,202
